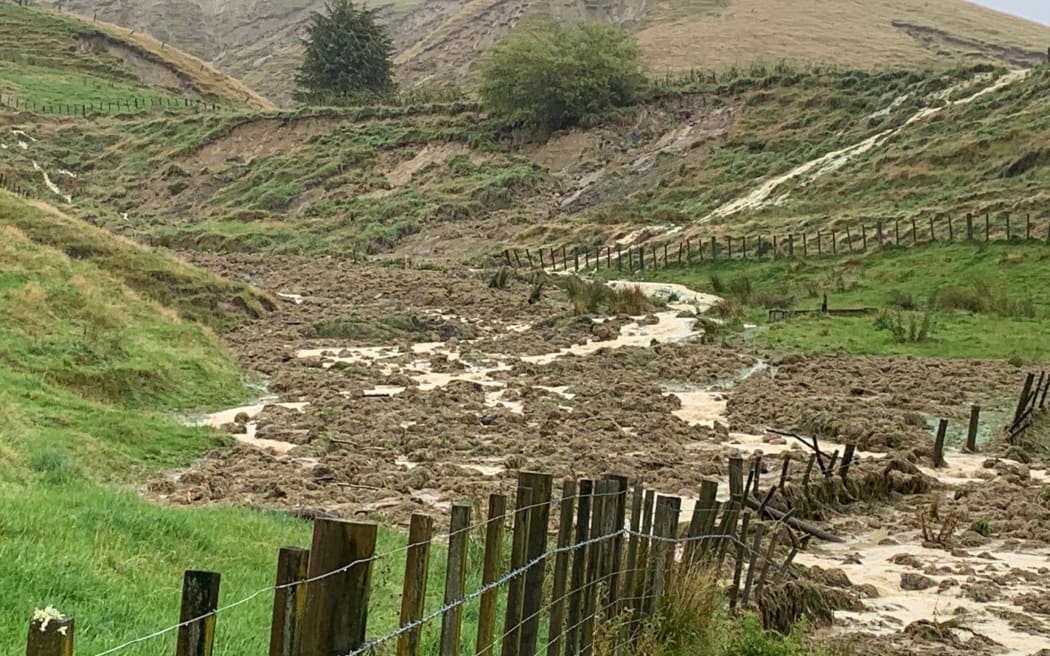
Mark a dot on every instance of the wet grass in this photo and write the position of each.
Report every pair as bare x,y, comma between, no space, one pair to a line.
1007,318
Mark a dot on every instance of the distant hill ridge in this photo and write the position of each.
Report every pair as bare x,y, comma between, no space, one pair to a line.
258,41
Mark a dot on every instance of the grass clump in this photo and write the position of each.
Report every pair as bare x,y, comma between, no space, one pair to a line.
906,327
593,297
981,298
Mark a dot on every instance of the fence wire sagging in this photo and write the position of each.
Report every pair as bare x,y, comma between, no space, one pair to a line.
595,560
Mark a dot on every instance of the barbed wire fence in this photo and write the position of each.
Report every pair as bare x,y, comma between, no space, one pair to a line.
561,570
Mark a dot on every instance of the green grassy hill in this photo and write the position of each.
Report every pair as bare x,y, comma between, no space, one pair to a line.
51,61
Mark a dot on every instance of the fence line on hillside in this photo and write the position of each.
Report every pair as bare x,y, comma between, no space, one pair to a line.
616,553
119,106
10,184
837,241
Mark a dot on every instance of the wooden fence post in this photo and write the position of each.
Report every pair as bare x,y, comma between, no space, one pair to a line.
847,459
864,237
455,579
50,637
414,590
633,543
933,235
755,549
791,245
820,247
701,523
896,232
595,551
660,564
1026,393
736,479
493,553
539,518
971,435
805,246
644,549
951,229
1028,226
336,616
938,444
714,248
516,586
561,569
617,510
289,601
849,239
1008,236
914,233
579,564
969,226
738,566
987,227
834,243
200,598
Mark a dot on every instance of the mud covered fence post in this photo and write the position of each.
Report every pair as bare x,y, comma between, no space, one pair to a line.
50,637
971,433
938,444
414,589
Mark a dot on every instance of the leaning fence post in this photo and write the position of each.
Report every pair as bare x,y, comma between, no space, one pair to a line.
700,523
337,605
50,637
938,444
738,566
289,601
756,546
1026,393
414,589
200,598
490,572
561,568
455,579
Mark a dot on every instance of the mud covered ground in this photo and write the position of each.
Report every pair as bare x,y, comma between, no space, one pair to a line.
393,390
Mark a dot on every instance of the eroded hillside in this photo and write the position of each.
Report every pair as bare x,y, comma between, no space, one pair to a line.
441,40
774,147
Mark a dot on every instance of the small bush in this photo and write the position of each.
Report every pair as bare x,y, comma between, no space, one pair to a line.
753,640
628,300
981,298
981,527
741,289
906,327
585,297
1016,360
717,285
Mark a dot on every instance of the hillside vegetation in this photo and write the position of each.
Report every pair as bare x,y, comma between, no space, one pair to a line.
444,180
258,40
50,59
962,300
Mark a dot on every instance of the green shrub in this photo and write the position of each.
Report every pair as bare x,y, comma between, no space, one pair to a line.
906,327
752,640
555,76
628,300
981,526
717,285
980,298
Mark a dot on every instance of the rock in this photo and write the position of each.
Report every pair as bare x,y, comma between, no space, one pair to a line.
488,419
912,581
907,560
242,418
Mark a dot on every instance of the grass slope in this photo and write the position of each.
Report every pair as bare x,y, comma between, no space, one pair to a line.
1000,284
683,34
195,294
51,58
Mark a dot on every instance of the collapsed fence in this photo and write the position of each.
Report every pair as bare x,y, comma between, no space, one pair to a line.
616,555
1031,404
844,240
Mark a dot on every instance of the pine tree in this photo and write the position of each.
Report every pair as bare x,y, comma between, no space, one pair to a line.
348,54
